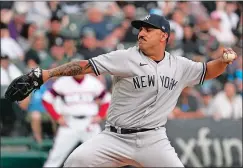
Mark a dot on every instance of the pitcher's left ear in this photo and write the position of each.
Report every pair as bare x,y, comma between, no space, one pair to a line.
164,36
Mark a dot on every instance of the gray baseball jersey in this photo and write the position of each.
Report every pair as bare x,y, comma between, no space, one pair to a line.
145,92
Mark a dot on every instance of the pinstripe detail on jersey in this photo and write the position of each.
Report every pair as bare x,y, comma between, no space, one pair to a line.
95,69
203,74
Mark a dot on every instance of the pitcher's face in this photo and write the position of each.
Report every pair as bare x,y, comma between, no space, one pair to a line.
149,37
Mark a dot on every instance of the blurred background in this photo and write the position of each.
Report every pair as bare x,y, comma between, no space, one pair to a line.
205,127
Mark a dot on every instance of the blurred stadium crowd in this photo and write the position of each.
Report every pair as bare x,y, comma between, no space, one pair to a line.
48,34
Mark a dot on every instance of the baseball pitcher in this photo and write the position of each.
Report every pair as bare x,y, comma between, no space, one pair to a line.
147,83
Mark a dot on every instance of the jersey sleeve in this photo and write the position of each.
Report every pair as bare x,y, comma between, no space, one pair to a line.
193,72
113,63
55,90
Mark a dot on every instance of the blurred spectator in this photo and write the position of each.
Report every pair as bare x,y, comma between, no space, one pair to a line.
228,15
206,102
208,44
6,15
223,34
239,75
201,12
72,7
89,48
100,25
9,46
130,34
238,29
190,44
235,69
156,11
203,26
55,30
108,8
177,21
55,9
213,48
227,104
57,57
188,106
220,5
121,4
70,48
26,34
174,46
6,5
187,8
107,33
166,7
37,53
8,71
39,13
239,87
209,5
37,112
19,18
147,5
212,86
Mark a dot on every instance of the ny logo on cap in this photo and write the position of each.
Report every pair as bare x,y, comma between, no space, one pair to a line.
146,17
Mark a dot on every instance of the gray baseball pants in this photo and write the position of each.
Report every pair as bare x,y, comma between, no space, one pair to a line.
108,149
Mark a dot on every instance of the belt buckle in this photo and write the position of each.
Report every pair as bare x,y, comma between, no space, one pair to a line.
118,129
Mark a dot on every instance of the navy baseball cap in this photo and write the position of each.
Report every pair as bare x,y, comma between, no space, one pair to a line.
154,21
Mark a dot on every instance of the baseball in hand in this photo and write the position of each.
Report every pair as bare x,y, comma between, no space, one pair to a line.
229,55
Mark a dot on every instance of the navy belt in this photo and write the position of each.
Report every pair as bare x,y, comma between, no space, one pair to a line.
130,131
80,117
